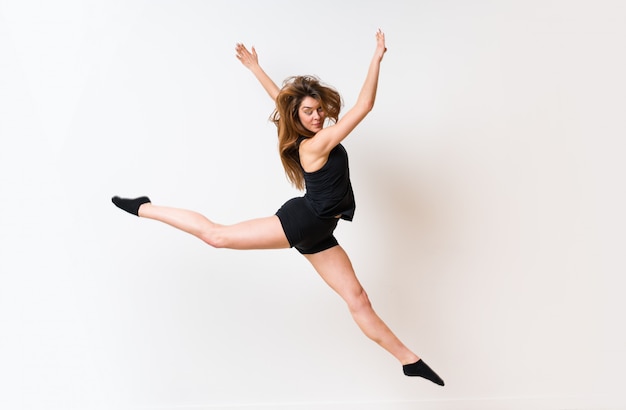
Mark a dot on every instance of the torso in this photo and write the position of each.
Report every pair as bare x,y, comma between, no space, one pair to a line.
327,180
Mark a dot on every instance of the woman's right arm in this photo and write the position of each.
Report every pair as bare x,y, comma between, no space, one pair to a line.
251,61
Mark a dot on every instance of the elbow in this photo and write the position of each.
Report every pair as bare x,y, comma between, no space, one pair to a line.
367,106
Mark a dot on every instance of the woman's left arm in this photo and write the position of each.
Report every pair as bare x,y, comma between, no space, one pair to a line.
328,138
367,96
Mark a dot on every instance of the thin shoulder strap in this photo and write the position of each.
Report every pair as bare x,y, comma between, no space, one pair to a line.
299,141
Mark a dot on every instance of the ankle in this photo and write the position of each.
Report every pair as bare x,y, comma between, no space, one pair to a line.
409,359
142,208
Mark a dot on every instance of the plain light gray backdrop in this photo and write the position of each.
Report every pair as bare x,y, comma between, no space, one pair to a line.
489,230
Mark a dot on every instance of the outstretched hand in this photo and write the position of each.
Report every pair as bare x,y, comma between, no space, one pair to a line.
247,58
380,43
250,60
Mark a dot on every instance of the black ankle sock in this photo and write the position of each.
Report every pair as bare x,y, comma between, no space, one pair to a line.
421,369
130,205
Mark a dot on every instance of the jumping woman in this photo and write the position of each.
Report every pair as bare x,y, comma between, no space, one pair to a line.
309,141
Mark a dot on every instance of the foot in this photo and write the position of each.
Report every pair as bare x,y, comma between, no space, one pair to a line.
130,205
421,369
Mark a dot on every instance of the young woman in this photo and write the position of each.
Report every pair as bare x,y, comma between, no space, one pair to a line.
314,160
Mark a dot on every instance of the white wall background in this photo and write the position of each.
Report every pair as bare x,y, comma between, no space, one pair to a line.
489,231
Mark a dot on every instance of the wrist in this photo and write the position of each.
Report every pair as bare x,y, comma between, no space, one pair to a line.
255,68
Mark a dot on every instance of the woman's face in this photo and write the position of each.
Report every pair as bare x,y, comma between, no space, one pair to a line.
311,114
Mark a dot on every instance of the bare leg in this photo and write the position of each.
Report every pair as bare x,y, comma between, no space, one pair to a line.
261,233
333,265
335,268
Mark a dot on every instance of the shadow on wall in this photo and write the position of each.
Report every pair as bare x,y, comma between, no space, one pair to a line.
411,203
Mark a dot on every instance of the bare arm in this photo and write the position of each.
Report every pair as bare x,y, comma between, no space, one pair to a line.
251,61
325,140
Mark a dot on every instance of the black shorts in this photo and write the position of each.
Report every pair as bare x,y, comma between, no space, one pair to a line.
306,231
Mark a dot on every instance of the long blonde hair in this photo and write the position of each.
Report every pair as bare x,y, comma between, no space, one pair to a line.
287,120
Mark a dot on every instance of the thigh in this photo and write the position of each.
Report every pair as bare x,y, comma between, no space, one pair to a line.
335,268
260,233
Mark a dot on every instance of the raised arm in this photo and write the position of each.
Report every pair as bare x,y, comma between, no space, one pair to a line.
367,96
326,139
251,61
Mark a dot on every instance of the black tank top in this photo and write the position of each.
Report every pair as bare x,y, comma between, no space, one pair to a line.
329,190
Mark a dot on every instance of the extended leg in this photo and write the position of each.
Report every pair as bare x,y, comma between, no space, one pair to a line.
261,233
335,268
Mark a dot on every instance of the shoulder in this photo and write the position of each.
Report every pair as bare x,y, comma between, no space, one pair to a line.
312,156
